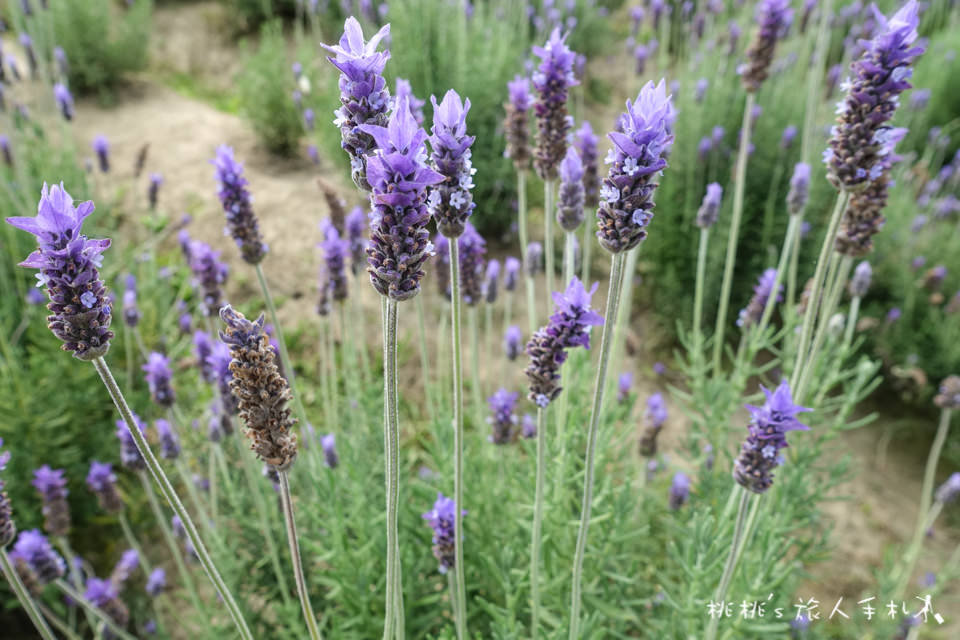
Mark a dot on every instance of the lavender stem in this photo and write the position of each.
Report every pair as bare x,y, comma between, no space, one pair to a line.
698,293
298,576
24,597
522,229
831,297
739,534
851,322
92,610
133,542
455,320
537,520
548,207
392,438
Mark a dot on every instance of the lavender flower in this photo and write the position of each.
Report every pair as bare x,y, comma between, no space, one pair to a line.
209,274
69,266
860,281
490,281
129,562
656,415
399,177
799,191
893,315
156,582
701,90
789,135
569,327
679,490
503,418
833,79
860,138
949,490
450,201
640,54
105,596
202,348
129,453
5,150
335,253
169,442
308,119
364,97
7,527
949,395
774,18
571,201
511,267
472,249
624,382
516,124
586,145
52,487
769,424
709,209
528,426
64,100
241,221
102,481
512,341
158,376
403,89
354,225
552,80
153,189
131,314
329,445
262,393
34,550
637,157
534,259
762,291
102,148
314,154
441,520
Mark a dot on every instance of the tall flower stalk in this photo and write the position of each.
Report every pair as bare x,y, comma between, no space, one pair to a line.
69,265
516,128
638,156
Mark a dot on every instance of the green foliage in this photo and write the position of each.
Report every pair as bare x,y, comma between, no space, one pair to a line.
250,14
265,88
103,42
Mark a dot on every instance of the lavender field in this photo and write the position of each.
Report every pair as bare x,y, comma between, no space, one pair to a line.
501,319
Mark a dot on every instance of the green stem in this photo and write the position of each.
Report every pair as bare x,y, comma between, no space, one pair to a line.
133,542
548,194
455,321
733,238
613,304
284,356
171,496
524,241
58,624
851,322
291,526
75,579
472,313
587,246
698,293
792,230
24,597
537,522
829,306
392,437
92,609
739,532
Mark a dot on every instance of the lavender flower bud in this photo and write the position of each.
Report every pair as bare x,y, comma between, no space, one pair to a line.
450,202
640,54
156,582
335,253
655,415
314,154
102,481
69,266
586,145
34,550
949,396
490,281
64,100
552,80
129,562
860,281
528,426
624,382
919,99
799,191
762,291
516,124
441,520
679,490
512,341
158,376
241,222
403,89
364,97
336,204
709,209
503,419
703,148
472,249
105,596
949,490
131,314
129,453
153,189
511,267
52,487
789,135
534,262
169,442
6,151
202,348
399,177
568,327
329,445
209,274
769,424
774,18
637,157
860,139
102,148
7,527
354,225
934,277
571,201
262,393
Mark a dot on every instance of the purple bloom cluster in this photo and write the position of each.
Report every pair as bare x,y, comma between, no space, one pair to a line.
450,202
169,442
860,139
709,209
572,195
156,582
516,124
209,274
569,327
403,89
131,314
105,595
129,562
219,363
490,280
102,148
624,382
64,100
773,18
656,415
32,551
129,453
679,490
552,80
472,249
69,266
585,143
153,189
158,375
503,418
799,191
329,445
102,481
769,424
399,177
202,348
860,281
441,520
949,490
364,97
753,312
511,267
335,251
637,157
949,393
237,205
534,259
512,342
354,225
52,487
